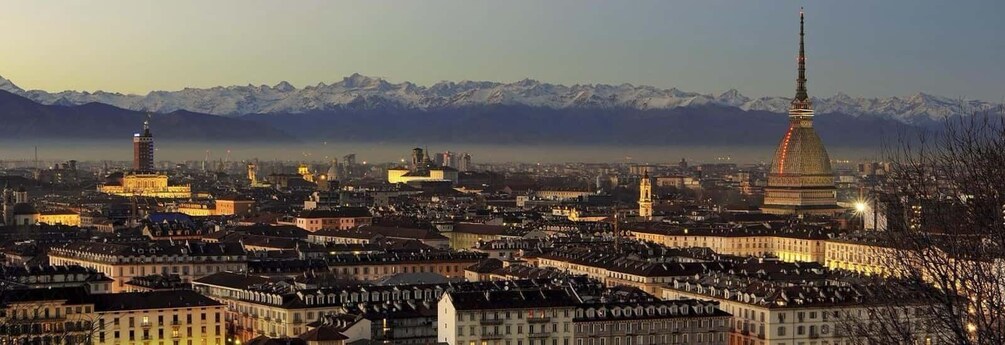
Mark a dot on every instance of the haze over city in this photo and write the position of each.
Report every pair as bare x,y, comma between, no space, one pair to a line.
433,172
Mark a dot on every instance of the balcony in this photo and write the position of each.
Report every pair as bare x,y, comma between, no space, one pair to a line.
539,334
491,336
145,324
540,319
491,321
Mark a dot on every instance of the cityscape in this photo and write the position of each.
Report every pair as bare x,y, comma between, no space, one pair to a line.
163,219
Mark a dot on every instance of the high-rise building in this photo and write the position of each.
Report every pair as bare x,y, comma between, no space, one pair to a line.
465,163
143,149
801,180
646,197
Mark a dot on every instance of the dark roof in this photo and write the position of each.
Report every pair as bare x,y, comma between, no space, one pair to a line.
341,212
24,208
231,280
483,229
323,333
273,230
541,298
151,249
263,340
485,266
163,299
72,295
169,217
404,233
413,278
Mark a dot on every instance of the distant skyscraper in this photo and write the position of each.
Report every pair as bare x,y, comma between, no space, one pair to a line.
801,180
465,163
348,163
448,159
333,171
646,196
143,149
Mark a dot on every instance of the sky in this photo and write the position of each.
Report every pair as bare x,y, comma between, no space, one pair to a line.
858,47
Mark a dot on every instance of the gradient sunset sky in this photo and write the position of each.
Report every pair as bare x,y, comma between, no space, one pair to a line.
859,47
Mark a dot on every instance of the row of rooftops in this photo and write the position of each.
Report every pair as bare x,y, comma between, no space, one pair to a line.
40,274
122,252
340,212
283,292
799,231
584,309
367,232
648,310
369,258
103,302
638,267
793,285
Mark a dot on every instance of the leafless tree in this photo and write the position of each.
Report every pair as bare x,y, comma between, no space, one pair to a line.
945,236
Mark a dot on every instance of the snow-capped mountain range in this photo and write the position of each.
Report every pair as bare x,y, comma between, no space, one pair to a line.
358,91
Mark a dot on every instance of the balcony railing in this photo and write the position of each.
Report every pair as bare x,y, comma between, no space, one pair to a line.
539,319
492,321
544,334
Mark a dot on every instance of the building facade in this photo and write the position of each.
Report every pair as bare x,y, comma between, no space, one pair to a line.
123,262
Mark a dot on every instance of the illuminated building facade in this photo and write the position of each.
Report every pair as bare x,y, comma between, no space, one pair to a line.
646,197
143,180
122,262
801,180
59,217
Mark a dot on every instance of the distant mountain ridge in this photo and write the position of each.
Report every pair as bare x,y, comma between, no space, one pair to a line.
361,93
23,118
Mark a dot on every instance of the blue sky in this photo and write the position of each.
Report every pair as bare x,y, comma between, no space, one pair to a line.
859,47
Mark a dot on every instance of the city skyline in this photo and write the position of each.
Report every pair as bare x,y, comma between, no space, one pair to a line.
373,211
866,49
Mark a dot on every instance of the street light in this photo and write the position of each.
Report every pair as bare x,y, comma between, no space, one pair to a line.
861,206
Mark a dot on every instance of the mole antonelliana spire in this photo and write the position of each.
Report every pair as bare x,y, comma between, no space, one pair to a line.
801,180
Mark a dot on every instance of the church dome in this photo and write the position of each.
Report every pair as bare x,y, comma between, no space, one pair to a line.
24,208
801,152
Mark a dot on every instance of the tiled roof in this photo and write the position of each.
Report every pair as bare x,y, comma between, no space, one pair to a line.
164,299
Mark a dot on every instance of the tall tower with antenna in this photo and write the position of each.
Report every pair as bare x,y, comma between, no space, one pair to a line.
143,149
801,180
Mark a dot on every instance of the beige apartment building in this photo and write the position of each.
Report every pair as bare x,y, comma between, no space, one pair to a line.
122,262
